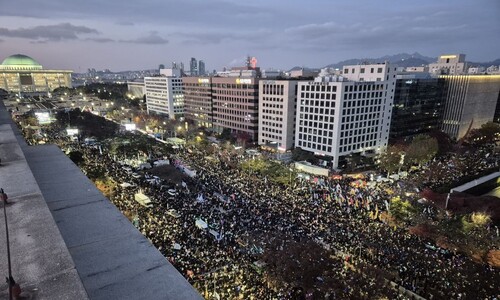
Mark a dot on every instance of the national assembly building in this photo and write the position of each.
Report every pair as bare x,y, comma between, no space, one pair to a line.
22,74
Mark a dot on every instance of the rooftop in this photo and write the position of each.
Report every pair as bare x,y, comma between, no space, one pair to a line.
67,240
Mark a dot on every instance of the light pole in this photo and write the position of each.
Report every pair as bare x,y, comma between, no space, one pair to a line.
9,279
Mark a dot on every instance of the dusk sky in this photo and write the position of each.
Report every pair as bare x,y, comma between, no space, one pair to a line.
132,35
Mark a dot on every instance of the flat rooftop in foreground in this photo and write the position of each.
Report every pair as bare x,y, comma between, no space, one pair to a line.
67,240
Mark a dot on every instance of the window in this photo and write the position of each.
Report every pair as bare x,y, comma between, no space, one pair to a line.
379,70
362,70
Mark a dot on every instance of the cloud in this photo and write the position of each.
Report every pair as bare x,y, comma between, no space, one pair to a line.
217,37
125,23
59,32
152,39
100,40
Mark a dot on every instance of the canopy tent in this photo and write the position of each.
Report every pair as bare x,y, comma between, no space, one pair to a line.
201,224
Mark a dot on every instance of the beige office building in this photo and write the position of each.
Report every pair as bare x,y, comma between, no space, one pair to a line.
449,64
22,74
277,109
198,100
471,102
235,105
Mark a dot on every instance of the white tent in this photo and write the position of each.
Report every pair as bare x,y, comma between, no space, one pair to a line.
201,224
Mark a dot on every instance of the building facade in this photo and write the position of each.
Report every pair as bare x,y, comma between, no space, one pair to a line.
136,88
471,102
277,110
164,96
22,74
235,105
338,118
449,64
198,100
193,67
418,107
201,68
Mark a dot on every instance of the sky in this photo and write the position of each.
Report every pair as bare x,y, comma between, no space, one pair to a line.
134,35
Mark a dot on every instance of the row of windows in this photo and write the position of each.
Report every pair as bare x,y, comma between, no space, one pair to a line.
356,132
315,125
272,89
362,103
318,88
273,112
273,99
315,146
316,132
217,100
360,110
317,110
272,105
363,87
317,103
356,125
357,146
357,139
316,118
268,117
362,70
272,124
360,117
326,96
273,130
235,86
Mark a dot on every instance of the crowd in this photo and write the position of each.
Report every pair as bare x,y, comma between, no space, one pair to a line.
242,211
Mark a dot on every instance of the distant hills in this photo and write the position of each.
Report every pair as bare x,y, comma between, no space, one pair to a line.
401,59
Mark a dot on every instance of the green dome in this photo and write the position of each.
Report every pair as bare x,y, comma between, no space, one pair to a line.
19,60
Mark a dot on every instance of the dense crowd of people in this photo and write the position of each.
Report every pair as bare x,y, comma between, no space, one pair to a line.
340,214
214,228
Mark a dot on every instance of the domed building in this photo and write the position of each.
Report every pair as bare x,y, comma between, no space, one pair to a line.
22,74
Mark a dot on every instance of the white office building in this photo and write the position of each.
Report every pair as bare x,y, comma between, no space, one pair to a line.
449,64
164,96
340,115
277,108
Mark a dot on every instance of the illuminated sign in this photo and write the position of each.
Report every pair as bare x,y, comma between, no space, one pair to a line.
243,81
448,56
203,80
72,131
43,118
130,127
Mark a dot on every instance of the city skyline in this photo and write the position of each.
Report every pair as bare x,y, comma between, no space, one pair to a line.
132,36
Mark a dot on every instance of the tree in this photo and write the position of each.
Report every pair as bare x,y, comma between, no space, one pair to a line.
391,159
489,133
422,149
76,157
445,143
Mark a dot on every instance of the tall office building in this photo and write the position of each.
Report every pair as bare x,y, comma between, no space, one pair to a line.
418,106
201,68
22,74
198,100
337,117
193,67
164,96
449,64
235,105
470,102
277,109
